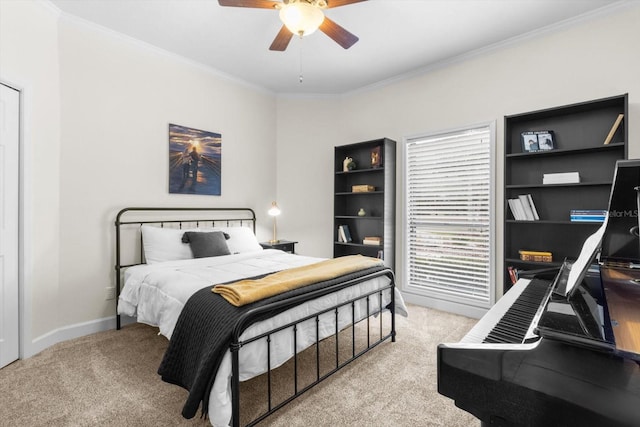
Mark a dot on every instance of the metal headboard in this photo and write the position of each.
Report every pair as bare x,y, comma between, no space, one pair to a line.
135,217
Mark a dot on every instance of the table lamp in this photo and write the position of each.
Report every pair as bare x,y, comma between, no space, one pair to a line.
274,211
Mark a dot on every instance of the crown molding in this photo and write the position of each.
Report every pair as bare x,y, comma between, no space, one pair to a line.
503,44
64,16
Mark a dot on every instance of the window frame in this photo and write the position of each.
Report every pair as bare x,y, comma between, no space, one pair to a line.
431,298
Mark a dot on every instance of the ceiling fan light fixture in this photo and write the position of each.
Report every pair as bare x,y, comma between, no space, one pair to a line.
301,18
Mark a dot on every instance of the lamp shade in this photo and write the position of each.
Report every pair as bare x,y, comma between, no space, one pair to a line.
301,18
274,210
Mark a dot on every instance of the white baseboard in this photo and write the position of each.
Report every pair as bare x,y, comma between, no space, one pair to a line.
438,304
73,331
91,327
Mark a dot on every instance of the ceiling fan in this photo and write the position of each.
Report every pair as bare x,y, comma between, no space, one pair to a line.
301,17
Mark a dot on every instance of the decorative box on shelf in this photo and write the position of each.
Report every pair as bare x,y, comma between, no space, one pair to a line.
536,256
362,188
373,240
561,178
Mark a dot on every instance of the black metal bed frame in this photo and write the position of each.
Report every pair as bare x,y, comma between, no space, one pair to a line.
242,216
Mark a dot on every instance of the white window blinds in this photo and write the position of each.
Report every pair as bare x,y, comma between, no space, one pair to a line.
449,216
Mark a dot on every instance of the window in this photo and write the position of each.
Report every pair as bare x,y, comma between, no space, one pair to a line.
449,215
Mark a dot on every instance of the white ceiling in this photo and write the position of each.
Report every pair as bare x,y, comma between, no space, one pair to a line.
397,37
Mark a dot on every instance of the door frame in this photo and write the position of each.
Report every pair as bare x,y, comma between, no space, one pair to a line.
26,348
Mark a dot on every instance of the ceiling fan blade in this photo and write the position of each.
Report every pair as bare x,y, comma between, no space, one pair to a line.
338,3
341,36
259,4
282,40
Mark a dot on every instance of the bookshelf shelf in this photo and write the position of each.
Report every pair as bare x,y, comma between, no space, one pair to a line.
580,131
356,217
559,152
359,193
579,184
359,171
546,222
531,265
379,204
359,245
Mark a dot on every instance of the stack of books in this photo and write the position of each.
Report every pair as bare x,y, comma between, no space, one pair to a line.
374,241
588,215
523,208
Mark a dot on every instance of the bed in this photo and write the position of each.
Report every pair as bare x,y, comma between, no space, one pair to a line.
167,261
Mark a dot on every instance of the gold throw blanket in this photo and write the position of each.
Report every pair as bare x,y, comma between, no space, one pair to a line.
247,291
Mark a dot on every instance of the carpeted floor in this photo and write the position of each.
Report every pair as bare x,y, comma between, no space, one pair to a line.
110,379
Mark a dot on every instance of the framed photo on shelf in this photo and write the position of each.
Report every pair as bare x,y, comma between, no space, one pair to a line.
546,140
376,160
529,142
542,140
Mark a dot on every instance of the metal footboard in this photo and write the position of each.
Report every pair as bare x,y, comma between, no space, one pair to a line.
247,319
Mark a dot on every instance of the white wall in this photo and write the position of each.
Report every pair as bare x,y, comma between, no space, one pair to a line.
117,101
592,59
307,132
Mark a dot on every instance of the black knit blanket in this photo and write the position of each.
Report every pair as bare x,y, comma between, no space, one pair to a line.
204,332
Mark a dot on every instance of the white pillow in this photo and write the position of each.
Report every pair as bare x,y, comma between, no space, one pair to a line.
241,239
164,244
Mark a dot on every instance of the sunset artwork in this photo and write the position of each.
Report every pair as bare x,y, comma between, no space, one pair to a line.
194,161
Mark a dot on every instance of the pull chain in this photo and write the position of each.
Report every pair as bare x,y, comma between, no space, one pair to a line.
300,76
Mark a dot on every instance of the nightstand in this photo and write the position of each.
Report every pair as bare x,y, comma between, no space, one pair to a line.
283,245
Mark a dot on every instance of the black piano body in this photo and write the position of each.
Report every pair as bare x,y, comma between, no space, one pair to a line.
576,359
548,384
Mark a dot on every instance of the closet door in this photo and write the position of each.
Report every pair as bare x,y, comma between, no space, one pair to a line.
9,201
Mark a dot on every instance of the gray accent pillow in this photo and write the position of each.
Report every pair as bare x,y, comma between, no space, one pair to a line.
206,244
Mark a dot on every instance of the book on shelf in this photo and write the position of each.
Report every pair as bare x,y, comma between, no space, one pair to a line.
533,207
561,178
513,274
588,215
344,235
516,209
530,210
537,256
614,128
374,241
523,208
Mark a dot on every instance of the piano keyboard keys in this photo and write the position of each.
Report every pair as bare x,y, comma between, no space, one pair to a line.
516,321
481,329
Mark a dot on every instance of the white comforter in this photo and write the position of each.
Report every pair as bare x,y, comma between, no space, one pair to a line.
156,293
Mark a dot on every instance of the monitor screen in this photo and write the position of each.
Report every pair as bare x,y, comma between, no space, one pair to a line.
620,241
